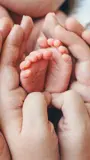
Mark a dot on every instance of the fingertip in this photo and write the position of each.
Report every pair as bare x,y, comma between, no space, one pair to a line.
27,25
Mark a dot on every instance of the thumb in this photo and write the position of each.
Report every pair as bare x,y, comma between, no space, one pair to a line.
73,108
35,111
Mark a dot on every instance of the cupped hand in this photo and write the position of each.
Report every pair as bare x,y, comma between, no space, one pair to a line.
24,119
74,126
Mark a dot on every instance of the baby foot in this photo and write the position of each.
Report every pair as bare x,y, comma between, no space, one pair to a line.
33,70
59,69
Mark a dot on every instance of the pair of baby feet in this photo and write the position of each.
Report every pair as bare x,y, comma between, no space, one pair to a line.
49,68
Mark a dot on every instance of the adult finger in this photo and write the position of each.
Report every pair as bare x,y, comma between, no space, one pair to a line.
9,81
71,40
27,25
73,108
35,111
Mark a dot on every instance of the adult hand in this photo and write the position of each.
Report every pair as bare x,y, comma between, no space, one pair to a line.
5,27
24,120
74,126
80,81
